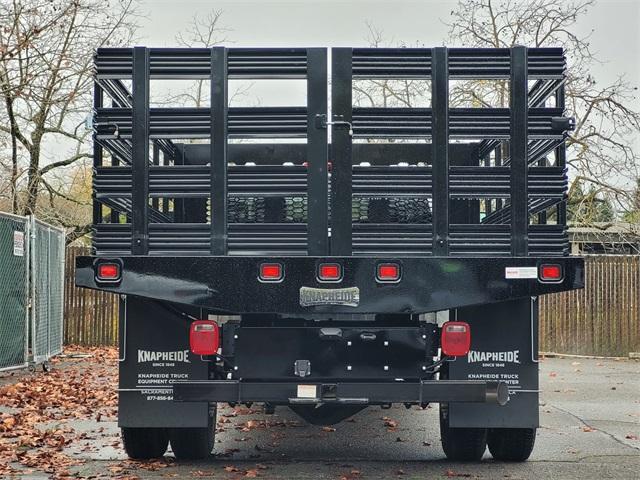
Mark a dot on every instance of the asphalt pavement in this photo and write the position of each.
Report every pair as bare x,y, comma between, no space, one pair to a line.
590,414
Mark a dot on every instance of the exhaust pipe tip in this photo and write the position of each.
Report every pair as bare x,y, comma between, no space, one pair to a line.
497,392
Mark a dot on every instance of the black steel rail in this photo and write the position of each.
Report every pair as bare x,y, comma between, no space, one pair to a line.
172,63
469,195
193,181
368,239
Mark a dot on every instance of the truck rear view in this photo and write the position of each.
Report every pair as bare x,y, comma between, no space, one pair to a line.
329,257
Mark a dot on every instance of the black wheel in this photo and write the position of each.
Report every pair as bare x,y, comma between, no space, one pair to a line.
461,444
193,443
511,444
145,443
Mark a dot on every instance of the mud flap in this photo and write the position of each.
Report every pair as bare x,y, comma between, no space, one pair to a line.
504,346
154,352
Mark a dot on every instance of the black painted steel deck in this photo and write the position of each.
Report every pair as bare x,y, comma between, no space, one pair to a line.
442,181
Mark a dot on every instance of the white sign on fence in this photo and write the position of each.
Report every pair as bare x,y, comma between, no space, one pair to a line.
18,244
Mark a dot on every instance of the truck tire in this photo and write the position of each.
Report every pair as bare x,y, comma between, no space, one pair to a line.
461,444
145,443
511,444
193,443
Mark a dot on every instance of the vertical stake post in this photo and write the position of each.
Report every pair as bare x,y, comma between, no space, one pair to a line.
140,153
98,97
156,161
561,158
317,150
518,148
440,149
218,154
341,155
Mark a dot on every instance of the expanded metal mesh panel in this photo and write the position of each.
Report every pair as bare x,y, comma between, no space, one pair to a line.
294,210
13,291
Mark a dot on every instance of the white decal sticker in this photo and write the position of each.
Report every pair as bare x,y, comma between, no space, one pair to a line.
307,391
151,356
512,356
520,272
18,244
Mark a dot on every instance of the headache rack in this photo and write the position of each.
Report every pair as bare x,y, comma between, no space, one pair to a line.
441,181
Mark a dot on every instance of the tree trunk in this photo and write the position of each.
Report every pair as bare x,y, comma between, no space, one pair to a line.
33,178
14,154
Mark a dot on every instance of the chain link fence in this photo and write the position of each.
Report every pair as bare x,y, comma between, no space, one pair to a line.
47,293
31,291
14,291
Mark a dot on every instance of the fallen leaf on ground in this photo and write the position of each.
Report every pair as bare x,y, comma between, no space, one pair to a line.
451,474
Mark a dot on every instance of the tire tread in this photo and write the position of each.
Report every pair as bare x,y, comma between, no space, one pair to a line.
145,443
511,444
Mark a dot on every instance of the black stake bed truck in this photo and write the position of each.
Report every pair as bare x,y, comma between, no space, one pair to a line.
330,257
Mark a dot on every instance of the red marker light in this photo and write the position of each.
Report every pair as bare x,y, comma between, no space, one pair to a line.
550,273
108,272
271,272
456,339
388,272
329,272
204,337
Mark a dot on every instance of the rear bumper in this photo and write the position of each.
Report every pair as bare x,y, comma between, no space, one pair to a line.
370,393
230,284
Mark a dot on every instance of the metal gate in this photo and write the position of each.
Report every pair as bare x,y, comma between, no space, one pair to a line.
14,291
31,291
47,290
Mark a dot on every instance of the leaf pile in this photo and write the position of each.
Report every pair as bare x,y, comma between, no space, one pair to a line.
35,410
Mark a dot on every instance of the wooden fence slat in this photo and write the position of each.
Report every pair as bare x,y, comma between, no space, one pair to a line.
601,319
89,314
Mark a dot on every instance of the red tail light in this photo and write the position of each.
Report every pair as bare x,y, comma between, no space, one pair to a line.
108,272
550,273
271,272
330,272
456,339
388,272
204,337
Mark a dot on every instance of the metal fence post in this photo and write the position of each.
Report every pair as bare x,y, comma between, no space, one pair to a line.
33,272
62,254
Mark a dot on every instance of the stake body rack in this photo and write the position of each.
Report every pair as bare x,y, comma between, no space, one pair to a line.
480,178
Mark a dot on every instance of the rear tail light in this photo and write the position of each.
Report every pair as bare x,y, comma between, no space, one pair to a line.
329,272
204,337
271,272
456,339
550,273
388,272
108,272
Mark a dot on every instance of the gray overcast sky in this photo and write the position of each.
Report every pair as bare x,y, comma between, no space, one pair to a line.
615,37
616,25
